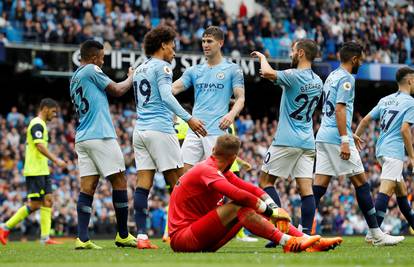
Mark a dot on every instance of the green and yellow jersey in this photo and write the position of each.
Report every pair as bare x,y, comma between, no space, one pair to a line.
35,163
235,167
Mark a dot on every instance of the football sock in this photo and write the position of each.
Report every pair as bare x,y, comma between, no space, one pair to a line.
406,210
318,192
260,226
366,205
120,202
84,209
308,212
271,191
293,231
45,222
141,209
381,204
19,216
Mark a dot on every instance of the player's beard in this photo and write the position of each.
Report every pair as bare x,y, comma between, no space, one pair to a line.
355,69
295,62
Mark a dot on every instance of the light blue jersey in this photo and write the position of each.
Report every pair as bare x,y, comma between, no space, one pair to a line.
302,89
213,88
393,111
153,97
87,90
339,88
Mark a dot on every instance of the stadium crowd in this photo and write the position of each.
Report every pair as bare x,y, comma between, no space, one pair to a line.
385,28
338,213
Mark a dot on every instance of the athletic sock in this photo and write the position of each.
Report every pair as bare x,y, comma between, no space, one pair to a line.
84,209
259,226
381,204
19,216
308,213
271,191
366,205
45,222
120,202
406,210
318,192
141,209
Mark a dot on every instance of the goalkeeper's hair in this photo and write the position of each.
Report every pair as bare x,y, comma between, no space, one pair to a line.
402,73
350,50
227,145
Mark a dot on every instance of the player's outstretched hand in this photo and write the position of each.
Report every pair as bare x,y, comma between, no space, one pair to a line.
226,121
345,152
358,142
197,126
257,54
61,163
130,71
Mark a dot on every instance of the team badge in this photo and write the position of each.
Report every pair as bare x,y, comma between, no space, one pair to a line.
220,75
38,134
347,86
98,69
167,70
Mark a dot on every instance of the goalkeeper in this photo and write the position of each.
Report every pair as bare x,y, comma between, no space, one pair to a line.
197,222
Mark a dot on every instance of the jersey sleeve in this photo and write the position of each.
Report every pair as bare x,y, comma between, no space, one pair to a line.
238,195
164,74
237,78
375,112
187,77
285,78
211,175
344,92
37,133
99,78
240,183
409,115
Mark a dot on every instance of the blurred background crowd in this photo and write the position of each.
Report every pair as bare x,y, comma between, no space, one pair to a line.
338,213
386,28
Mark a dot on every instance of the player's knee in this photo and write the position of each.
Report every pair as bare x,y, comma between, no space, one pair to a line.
118,181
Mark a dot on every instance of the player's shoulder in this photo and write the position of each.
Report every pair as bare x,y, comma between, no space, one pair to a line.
161,66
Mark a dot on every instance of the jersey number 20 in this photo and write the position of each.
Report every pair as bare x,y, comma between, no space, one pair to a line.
306,104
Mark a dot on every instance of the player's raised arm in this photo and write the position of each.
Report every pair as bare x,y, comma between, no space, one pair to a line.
266,71
119,89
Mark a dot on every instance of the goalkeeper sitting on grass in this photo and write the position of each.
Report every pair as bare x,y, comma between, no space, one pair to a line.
196,223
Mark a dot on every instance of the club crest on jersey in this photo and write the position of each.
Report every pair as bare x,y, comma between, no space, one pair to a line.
98,69
220,75
167,70
38,134
347,86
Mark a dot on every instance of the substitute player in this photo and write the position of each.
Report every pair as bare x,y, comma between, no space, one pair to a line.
292,152
336,151
155,142
36,172
214,82
396,115
99,154
196,222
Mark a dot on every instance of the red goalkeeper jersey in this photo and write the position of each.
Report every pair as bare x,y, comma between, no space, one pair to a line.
200,190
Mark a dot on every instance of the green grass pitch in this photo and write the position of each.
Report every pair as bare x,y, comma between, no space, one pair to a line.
353,252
